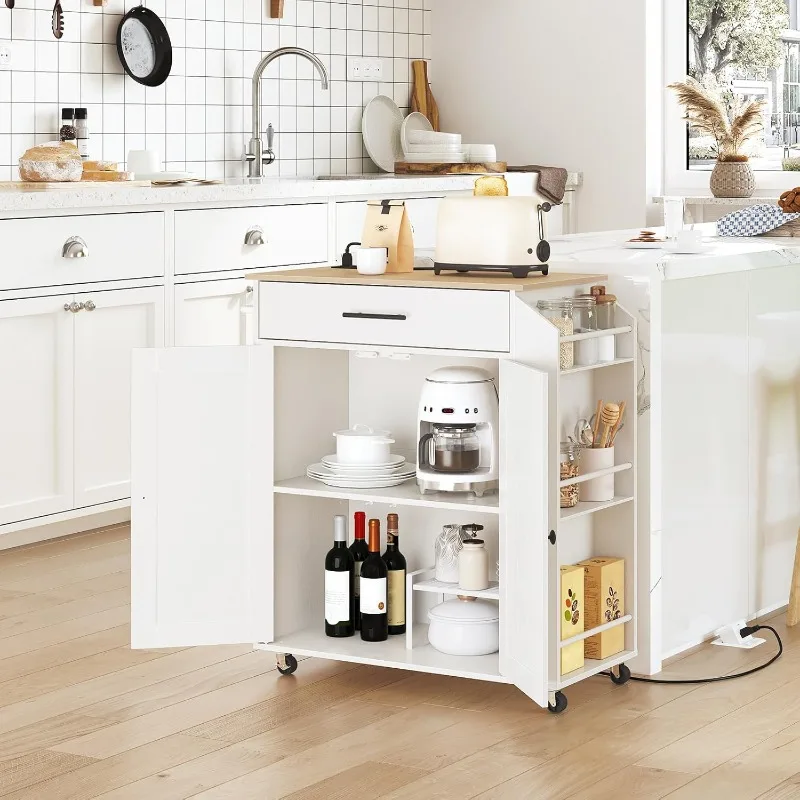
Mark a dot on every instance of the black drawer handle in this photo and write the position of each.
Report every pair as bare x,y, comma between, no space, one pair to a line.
363,315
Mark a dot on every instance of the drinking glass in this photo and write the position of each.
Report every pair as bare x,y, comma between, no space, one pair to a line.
673,216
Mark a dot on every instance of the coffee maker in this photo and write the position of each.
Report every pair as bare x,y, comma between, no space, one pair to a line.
457,429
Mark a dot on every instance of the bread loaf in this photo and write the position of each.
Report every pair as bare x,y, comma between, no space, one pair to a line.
491,186
100,166
54,161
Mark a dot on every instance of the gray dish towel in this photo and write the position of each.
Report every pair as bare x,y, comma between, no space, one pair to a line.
552,181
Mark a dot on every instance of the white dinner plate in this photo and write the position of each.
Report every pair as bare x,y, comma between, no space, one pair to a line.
321,471
435,158
333,462
377,483
164,176
413,122
644,245
380,127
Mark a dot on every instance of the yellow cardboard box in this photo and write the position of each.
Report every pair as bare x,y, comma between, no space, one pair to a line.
604,588
572,616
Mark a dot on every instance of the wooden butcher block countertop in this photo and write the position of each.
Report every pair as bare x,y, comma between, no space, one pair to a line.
425,279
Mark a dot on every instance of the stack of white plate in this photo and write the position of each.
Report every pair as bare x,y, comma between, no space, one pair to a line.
332,472
423,145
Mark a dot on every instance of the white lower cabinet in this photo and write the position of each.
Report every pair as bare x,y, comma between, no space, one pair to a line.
229,535
107,329
214,312
36,407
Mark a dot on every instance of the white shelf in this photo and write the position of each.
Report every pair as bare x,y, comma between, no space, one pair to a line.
594,631
392,653
599,365
439,587
592,667
590,507
579,337
599,473
406,494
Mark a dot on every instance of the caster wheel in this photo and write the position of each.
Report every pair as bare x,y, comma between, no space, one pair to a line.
546,271
623,677
561,704
291,665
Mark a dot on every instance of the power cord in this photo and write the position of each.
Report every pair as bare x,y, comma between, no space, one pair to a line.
747,631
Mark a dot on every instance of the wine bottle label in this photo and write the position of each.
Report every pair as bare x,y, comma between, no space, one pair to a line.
337,596
373,595
357,587
397,597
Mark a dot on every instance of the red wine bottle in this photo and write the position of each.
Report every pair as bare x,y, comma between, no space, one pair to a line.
339,580
396,578
359,551
374,623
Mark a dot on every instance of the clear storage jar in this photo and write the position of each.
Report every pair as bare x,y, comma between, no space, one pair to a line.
559,313
569,460
584,315
606,311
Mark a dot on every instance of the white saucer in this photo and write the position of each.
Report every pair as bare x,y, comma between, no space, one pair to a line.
164,176
333,462
645,245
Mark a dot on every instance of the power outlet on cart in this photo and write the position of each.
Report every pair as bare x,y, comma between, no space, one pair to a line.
5,54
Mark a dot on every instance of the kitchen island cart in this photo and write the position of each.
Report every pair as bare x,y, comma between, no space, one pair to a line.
229,535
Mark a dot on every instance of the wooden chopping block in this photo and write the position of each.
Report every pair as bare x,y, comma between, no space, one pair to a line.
793,614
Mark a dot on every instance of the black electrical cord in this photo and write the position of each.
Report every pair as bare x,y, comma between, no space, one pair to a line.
744,632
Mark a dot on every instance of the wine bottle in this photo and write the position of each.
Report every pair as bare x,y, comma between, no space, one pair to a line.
374,624
339,580
359,551
396,578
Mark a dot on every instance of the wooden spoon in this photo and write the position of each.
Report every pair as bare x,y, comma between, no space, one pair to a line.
609,417
615,430
596,429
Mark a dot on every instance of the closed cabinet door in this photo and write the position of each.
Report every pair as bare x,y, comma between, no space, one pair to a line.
214,313
109,326
36,403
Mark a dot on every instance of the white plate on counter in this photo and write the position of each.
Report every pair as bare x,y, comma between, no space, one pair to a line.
645,245
380,128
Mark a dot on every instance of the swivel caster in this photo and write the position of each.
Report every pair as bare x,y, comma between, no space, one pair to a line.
623,676
287,664
559,705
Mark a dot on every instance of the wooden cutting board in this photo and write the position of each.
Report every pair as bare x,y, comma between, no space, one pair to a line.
31,186
488,168
422,98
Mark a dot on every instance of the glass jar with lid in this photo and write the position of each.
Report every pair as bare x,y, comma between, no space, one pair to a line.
606,311
570,457
559,313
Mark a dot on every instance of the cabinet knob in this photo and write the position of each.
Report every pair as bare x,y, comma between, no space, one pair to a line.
89,305
248,290
74,247
74,307
255,236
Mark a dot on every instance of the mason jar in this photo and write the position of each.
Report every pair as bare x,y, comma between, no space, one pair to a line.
570,457
559,313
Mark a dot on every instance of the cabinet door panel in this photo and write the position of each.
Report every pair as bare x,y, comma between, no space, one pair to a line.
104,339
213,313
36,357
202,496
523,540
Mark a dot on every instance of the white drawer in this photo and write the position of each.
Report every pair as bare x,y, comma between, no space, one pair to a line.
385,315
213,240
118,246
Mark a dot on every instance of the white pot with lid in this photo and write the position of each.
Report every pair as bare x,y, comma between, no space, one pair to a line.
363,445
465,626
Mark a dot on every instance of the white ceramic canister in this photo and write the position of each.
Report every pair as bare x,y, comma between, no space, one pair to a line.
446,549
606,348
473,565
592,460
465,627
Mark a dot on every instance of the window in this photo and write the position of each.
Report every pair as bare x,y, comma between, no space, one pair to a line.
749,49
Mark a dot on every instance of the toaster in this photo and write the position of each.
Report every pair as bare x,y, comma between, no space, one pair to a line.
492,234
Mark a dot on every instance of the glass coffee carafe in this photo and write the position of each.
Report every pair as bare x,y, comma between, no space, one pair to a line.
451,448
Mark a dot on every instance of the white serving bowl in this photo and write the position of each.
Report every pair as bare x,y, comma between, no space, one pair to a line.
465,627
480,152
433,137
363,445
435,158
434,148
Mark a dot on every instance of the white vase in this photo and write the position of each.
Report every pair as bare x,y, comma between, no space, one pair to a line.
448,545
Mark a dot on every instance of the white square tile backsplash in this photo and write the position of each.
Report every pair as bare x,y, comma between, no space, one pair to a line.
200,119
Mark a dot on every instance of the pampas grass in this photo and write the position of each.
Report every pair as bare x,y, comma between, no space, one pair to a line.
706,113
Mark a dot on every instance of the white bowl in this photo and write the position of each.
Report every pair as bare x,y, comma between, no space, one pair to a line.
434,148
480,152
465,628
363,445
433,137
435,158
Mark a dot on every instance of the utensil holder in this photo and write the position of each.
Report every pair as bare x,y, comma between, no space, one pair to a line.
600,489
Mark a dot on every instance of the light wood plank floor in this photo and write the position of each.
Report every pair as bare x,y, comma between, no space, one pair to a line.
84,716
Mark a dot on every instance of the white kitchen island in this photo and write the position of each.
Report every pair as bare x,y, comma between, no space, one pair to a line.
719,339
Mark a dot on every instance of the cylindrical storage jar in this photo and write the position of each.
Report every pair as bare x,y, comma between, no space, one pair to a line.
446,549
585,321
606,348
570,457
594,459
606,311
465,627
559,313
473,566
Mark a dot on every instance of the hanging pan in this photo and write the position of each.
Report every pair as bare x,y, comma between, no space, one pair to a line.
144,47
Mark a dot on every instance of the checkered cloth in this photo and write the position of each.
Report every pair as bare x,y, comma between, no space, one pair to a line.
753,221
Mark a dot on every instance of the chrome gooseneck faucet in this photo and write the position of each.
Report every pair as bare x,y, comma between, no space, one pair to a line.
257,156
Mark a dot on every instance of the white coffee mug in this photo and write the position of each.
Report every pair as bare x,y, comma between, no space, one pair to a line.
689,240
143,162
372,260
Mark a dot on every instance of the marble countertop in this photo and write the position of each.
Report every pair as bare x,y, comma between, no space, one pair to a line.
77,196
605,252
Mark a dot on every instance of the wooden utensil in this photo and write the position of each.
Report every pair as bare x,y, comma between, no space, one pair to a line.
422,98
609,417
615,429
596,428
793,614
276,8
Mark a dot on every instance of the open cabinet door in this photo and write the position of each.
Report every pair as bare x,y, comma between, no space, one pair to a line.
523,551
201,472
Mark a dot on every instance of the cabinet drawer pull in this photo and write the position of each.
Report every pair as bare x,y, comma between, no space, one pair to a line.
90,305
74,247
365,315
255,236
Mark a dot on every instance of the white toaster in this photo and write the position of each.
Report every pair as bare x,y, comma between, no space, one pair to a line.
492,233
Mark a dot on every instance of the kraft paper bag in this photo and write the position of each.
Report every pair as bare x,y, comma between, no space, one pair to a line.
387,225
